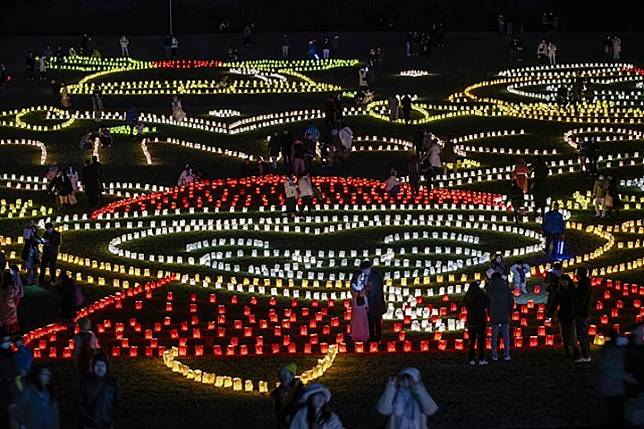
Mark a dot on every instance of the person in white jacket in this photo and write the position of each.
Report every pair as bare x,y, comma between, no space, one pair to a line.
346,138
125,52
315,411
520,273
290,191
306,192
406,402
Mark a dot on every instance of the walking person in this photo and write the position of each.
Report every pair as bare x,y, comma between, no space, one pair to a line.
406,402
413,169
394,105
477,303
36,406
501,304
359,308
177,109
599,193
346,139
326,48
30,253
174,47
51,246
563,303
99,396
286,395
124,42
617,48
517,199
315,411
553,228
583,302
435,161
376,299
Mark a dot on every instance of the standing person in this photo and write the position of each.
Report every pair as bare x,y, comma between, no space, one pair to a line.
477,303
8,309
517,199
16,281
392,184
563,302
520,272
97,166
306,192
299,154
551,51
406,402
177,109
346,138
274,146
612,201
520,175
286,145
394,105
90,184
501,304
406,107
612,388
413,169
30,62
285,46
124,46
30,253
542,52
99,396
448,155
376,299
85,345
435,161
42,67
36,406
174,47
65,99
359,308
71,298
186,176
290,191
553,228
51,246
583,302
497,265
599,193
8,374
315,410
326,48
286,395
379,61
608,48
72,174
97,106
617,48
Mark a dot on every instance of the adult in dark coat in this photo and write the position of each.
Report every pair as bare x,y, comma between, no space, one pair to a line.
99,396
375,300
501,304
406,108
477,302
90,183
286,143
563,303
100,177
51,240
583,296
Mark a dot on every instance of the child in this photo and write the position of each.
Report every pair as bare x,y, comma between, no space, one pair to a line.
520,272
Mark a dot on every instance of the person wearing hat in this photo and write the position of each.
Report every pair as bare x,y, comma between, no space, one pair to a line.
405,402
99,396
286,395
315,410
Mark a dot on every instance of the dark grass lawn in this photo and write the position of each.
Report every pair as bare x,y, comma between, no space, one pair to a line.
537,389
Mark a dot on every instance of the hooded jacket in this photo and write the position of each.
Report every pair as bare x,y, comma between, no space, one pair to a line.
300,420
394,403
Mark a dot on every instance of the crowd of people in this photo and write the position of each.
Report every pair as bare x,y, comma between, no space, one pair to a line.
420,43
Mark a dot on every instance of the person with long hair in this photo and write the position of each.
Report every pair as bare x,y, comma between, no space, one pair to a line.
36,406
315,411
477,303
406,402
359,308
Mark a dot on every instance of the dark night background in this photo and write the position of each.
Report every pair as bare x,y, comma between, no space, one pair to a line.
48,17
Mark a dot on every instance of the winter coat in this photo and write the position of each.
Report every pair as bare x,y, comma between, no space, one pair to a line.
553,223
286,403
387,406
346,137
501,301
435,156
36,410
376,295
611,376
52,243
583,298
563,301
300,421
274,146
476,303
99,401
